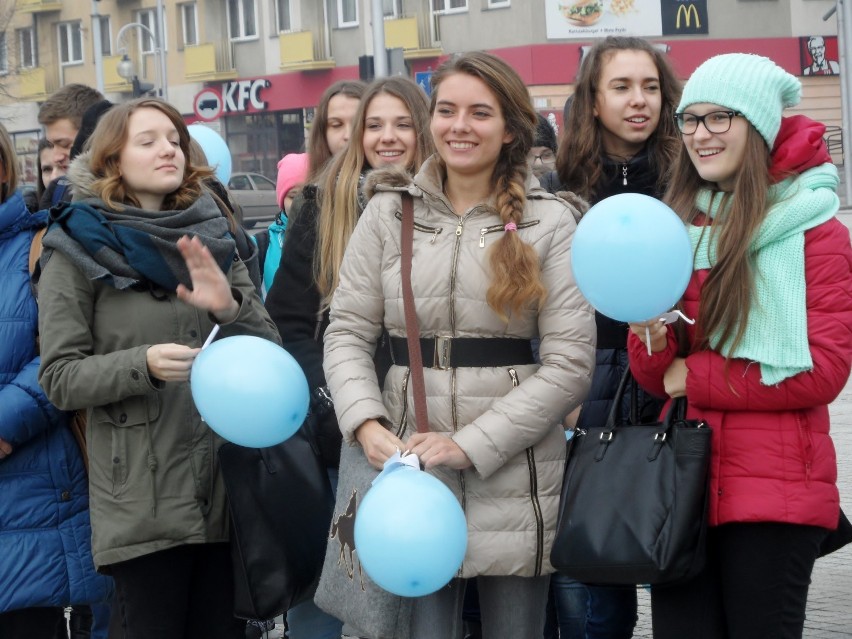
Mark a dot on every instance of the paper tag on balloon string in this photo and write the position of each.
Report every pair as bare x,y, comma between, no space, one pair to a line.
210,337
666,318
396,461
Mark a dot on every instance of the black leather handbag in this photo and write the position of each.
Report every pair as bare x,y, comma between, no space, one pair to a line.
281,502
634,500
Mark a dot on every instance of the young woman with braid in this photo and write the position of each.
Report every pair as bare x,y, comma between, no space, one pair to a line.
491,271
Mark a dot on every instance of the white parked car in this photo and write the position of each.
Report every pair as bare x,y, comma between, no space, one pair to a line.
255,193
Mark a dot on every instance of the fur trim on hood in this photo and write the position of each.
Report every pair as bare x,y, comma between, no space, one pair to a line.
578,204
81,177
391,176
394,177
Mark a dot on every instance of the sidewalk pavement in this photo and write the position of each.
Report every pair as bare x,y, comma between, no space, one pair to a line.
829,614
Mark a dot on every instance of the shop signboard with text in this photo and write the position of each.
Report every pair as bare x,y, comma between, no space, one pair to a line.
601,18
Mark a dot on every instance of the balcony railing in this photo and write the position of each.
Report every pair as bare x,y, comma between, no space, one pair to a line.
303,51
37,6
209,62
36,84
407,34
113,81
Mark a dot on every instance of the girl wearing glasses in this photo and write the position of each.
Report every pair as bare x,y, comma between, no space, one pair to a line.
619,137
772,346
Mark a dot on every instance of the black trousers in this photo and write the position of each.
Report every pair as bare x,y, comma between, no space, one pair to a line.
185,592
32,623
754,586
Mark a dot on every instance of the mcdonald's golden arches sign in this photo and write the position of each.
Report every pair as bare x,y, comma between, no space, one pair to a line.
684,16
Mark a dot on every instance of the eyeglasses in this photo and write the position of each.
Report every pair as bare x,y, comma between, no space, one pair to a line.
714,122
545,157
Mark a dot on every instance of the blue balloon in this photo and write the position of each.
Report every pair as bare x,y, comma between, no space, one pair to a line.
631,257
249,390
410,533
215,148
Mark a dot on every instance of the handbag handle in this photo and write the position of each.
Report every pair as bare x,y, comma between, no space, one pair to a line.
676,411
412,330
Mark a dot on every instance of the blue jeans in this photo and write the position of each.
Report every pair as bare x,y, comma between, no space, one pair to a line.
307,620
593,612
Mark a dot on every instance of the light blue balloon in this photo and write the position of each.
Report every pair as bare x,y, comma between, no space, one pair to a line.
215,148
631,257
410,533
249,390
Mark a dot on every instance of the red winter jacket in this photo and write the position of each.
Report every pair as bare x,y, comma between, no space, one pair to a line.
772,459
772,456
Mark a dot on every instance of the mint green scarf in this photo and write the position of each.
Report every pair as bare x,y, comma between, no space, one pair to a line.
777,332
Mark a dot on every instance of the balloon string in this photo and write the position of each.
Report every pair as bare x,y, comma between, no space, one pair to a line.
210,337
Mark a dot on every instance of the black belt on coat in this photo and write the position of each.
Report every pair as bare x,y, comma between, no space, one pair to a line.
460,352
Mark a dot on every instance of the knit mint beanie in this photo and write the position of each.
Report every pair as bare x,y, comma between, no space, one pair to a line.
751,84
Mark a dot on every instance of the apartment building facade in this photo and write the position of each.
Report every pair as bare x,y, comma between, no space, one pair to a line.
254,69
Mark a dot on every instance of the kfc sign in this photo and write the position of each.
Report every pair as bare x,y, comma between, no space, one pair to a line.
237,97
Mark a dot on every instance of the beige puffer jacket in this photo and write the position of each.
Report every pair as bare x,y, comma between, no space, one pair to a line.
506,419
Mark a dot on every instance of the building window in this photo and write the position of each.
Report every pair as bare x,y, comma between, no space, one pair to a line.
189,23
347,13
498,4
285,20
148,18
242,19
106,35
70,43
450,6
26,48
390,8
4,55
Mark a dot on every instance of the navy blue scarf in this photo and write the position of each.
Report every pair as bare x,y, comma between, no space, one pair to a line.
136,247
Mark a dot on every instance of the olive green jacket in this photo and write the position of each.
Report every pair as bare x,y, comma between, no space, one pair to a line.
154,476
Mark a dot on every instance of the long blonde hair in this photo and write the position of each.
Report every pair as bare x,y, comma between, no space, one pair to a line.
339,184
515,272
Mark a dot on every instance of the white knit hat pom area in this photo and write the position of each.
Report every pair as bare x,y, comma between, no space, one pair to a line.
750,84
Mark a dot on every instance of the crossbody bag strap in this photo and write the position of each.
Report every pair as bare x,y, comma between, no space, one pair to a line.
412,330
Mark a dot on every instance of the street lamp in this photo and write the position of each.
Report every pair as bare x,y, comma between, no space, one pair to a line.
126,68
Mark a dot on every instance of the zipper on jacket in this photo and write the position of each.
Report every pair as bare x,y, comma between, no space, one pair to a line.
404,416
536,505
454,414
423,228
459,229
806,443
499,227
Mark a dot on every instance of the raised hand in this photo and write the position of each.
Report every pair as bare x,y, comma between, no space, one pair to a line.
210,288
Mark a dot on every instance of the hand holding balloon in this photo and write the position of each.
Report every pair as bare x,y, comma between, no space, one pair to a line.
378,442
170,362
438,449
653,333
